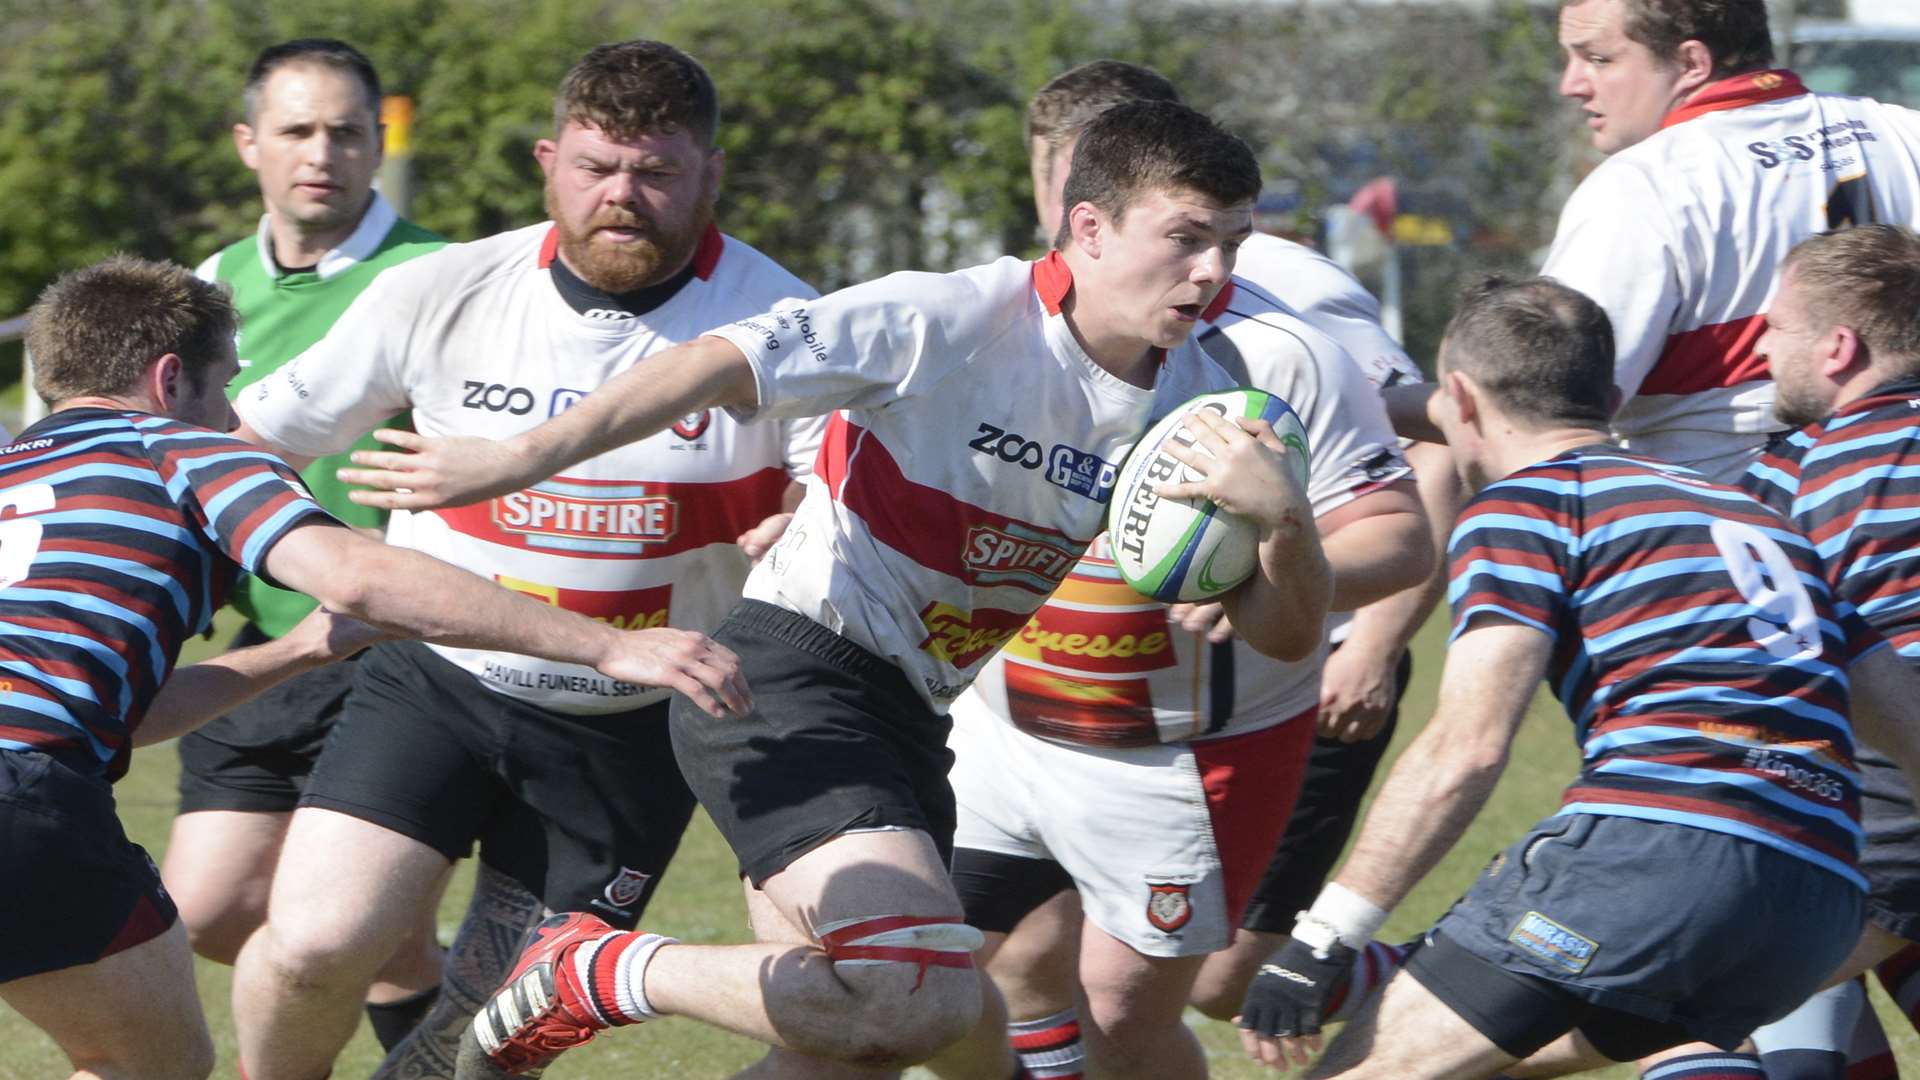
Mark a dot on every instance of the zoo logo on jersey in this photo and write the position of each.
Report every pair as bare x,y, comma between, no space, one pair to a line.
1085,474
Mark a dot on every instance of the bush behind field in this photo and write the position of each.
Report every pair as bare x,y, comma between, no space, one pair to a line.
862,135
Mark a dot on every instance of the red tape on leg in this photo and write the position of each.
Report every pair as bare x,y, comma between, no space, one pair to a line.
854,941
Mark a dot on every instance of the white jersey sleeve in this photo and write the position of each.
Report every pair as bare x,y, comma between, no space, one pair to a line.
1330,299
1616,244
868,345
802,439
354,379
1353,449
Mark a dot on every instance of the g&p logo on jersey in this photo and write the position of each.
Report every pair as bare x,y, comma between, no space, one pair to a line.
1064,466
564,399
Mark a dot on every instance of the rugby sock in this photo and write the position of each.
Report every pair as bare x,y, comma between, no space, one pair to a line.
1869,1056
614,969
1897,973
1050,1047
1372,967
1810,1042
393,1021
1714,1066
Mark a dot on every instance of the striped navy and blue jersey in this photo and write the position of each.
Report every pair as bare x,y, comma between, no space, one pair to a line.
1851,483
1696,646
121,534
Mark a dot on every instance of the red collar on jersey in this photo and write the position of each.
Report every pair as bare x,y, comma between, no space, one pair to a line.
1739,91
705,257
1052,280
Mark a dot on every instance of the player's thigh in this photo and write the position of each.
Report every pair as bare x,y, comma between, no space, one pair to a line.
1129,993
221,861
73,888
862,874
1408,1033
839,742
134,1008
1199,820
1036,966
597,807
347,887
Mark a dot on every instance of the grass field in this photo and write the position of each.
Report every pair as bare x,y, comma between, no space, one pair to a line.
699,901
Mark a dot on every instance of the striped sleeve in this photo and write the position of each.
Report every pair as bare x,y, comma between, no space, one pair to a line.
242,498
1774,479
1510,554
1859,502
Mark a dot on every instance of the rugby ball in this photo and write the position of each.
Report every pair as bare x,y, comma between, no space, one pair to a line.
1186,550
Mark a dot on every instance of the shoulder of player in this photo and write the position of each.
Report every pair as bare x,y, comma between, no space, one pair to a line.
1268,332
1866,429
444,273
745,269
407,240
983,298
1306,278
231,261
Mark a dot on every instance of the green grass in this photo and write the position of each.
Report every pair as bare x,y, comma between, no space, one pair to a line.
700,901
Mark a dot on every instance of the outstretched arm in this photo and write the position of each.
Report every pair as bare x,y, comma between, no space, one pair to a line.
1357,686
1886,708
1437,788
416,595
197,693
425,472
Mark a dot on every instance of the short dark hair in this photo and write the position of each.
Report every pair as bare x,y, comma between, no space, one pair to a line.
1144,146
1734,31
1866,279
640,87
1064,107
324,52
1542,350
94,330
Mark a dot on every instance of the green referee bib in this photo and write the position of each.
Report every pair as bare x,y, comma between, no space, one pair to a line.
281,314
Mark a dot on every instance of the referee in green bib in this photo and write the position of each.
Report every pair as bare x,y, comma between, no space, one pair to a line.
313,136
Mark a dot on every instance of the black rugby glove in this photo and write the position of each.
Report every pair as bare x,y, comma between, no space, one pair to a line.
1291,993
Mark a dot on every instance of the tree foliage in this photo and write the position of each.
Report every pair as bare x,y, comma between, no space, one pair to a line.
862,135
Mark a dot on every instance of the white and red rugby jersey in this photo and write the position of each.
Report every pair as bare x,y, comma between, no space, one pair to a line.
970,465
1680,237
1329,299
476,340
1100,665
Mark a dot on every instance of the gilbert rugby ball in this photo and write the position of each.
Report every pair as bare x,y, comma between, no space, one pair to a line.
1185,550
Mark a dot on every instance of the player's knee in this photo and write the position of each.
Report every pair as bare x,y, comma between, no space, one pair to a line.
914,977
900,1029
318,953
218,933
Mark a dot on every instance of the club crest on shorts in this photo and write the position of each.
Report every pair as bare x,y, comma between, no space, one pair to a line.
1168,905
693,425
625,890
